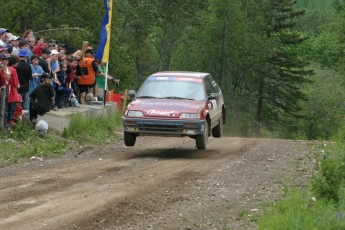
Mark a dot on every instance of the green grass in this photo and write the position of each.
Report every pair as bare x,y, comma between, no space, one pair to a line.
322,205
24,142
299,210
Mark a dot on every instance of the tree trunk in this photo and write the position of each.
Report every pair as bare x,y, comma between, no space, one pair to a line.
161,51
259,107
172,42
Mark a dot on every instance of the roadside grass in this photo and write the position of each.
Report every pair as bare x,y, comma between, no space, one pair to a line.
23,142
322,204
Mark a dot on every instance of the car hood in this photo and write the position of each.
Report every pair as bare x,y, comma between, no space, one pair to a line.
166,107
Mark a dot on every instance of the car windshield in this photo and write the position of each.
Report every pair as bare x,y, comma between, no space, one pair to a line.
182,90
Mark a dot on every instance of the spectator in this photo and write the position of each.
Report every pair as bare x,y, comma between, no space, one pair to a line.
38,46
24,75
23,44
28,34
63,92
13,45
87,72
18,113
72,63
31,44
4,78
3,38
37,71
100,79
43,62
13,86
42,98
53,63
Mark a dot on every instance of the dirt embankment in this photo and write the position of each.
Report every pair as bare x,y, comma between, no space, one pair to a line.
161,183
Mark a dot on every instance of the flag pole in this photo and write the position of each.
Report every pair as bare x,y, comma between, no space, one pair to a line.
106,84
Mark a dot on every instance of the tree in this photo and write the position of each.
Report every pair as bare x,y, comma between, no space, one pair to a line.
279,85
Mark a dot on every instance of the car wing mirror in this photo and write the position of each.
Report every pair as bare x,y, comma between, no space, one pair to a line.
132,93
213,96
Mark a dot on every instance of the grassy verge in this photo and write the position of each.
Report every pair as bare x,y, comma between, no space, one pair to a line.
322,205
24,142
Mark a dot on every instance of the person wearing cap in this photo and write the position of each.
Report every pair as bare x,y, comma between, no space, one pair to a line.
53,62
42,98
87,74
24,75
13,47
3,38
13,86
63,92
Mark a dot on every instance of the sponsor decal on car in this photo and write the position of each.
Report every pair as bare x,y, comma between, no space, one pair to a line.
160,113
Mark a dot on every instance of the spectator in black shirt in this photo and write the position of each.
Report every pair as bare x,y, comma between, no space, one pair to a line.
24,75
43,60
42,98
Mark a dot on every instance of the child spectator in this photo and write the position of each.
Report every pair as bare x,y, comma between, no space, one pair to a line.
18,113
37,71
63,92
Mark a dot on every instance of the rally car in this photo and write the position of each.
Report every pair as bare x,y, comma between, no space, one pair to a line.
175,104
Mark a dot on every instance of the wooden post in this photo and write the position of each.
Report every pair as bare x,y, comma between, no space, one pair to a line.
124,104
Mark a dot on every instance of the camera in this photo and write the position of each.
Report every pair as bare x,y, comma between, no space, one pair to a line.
116,81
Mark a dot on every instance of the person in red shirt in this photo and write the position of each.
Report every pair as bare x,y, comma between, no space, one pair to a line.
13,86
38,46
18,113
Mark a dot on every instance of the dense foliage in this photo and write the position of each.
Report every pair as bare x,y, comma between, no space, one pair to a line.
280,63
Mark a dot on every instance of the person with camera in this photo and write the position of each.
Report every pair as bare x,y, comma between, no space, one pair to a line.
100,79
42,98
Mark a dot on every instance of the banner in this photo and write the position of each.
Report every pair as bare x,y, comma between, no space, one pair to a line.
102,52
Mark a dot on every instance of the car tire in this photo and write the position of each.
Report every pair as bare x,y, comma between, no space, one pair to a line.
217,130
201,139
130,138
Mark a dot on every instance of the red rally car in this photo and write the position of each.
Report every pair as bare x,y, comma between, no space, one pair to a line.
175,104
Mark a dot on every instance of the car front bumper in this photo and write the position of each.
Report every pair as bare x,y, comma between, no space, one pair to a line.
157,127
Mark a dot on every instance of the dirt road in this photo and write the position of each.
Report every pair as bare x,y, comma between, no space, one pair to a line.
161,183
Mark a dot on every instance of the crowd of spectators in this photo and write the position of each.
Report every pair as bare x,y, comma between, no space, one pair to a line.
36,76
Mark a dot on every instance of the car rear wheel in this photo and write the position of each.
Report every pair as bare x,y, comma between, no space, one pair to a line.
130,138
217,131
201,140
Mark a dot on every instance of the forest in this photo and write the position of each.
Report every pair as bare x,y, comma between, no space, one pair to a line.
280,64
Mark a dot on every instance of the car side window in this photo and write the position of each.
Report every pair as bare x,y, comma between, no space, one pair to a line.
209,86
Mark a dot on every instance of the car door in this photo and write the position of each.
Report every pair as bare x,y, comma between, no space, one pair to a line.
214,104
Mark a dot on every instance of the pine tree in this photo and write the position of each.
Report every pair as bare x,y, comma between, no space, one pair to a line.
280,82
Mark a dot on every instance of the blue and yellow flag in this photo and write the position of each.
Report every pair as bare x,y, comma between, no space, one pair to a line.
102,52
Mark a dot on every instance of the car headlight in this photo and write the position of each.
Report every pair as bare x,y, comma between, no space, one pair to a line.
134,113
190,116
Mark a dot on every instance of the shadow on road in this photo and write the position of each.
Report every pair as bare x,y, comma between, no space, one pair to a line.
174,154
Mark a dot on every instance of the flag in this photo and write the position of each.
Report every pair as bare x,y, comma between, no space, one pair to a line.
102,52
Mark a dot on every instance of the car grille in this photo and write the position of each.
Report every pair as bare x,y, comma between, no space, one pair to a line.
169,127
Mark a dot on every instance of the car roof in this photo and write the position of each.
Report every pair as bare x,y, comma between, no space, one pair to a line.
181,74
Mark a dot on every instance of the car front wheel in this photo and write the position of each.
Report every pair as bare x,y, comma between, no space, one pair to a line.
217,131
129,138
201,140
